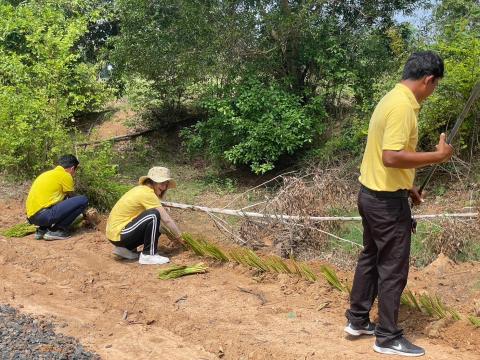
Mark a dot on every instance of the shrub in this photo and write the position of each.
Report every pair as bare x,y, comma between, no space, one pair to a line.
96,178
254,124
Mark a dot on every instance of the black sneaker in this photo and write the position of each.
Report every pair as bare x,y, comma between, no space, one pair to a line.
40,233
400,346
368,329
56,235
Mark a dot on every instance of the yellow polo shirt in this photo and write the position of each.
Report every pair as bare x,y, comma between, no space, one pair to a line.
48,189
393,126
131,204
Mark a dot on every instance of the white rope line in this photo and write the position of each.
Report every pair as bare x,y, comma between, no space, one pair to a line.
297,217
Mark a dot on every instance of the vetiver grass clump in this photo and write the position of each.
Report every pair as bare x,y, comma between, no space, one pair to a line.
19,230
249,258
177,271
431,305
474,320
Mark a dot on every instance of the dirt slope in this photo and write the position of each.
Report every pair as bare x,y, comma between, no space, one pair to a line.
121,311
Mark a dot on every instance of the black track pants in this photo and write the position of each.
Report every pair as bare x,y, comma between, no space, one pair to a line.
143,230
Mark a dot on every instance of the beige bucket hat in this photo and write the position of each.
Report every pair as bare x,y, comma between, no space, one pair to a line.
159,174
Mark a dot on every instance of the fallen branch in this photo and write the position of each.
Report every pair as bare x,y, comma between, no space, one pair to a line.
119,138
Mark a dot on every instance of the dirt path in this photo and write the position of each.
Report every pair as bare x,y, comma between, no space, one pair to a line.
121,311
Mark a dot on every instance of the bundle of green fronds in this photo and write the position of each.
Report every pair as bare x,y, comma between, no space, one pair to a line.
303,270
331,276
249,258
276,264
204,248
431,305
177,271
19,230
435,307
408,299
474,320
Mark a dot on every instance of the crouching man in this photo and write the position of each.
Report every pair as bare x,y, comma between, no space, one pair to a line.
51,204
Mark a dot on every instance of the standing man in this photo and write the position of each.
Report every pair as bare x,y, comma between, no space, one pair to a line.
386,176
51,204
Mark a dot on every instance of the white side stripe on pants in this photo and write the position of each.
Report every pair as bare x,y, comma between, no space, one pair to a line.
154,229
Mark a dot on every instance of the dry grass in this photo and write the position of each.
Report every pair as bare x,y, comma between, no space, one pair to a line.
456,238
316,192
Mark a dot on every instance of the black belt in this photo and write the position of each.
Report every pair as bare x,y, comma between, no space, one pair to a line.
385,194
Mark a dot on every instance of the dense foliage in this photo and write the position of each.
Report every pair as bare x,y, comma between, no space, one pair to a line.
43,83
273,80
302,54
254,124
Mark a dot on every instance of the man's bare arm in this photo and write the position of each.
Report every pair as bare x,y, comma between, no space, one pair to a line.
410,160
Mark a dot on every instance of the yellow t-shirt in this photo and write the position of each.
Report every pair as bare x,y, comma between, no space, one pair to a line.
48,189
393,126
131,204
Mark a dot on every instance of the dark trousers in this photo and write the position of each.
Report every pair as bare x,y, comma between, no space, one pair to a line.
61,215
382,268
143,230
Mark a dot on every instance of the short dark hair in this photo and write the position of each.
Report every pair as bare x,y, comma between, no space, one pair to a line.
423,63
67,161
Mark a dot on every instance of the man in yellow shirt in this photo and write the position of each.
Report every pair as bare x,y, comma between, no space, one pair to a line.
50,203
135,218
386,177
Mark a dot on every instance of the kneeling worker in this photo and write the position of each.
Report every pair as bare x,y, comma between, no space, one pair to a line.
135,218
51,204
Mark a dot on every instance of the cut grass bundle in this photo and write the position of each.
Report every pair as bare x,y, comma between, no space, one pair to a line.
431,305
249,258
277,265
331,276
177,271
204,248
408,299
474,320
19,230
303,270
435,307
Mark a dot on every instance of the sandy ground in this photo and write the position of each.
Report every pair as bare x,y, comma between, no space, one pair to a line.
120,309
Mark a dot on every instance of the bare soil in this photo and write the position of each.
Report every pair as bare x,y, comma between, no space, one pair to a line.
120,310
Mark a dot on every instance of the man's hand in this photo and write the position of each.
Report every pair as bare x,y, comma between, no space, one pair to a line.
444,150
416,196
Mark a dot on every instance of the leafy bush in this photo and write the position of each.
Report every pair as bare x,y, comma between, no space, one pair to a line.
255,124
43,82
459,44
96,178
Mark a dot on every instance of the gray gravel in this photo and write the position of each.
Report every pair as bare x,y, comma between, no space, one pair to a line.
23,337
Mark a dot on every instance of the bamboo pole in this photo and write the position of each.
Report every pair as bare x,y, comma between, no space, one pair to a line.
241,213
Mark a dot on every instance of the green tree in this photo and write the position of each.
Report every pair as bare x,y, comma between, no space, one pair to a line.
44,82
457,40
326,54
